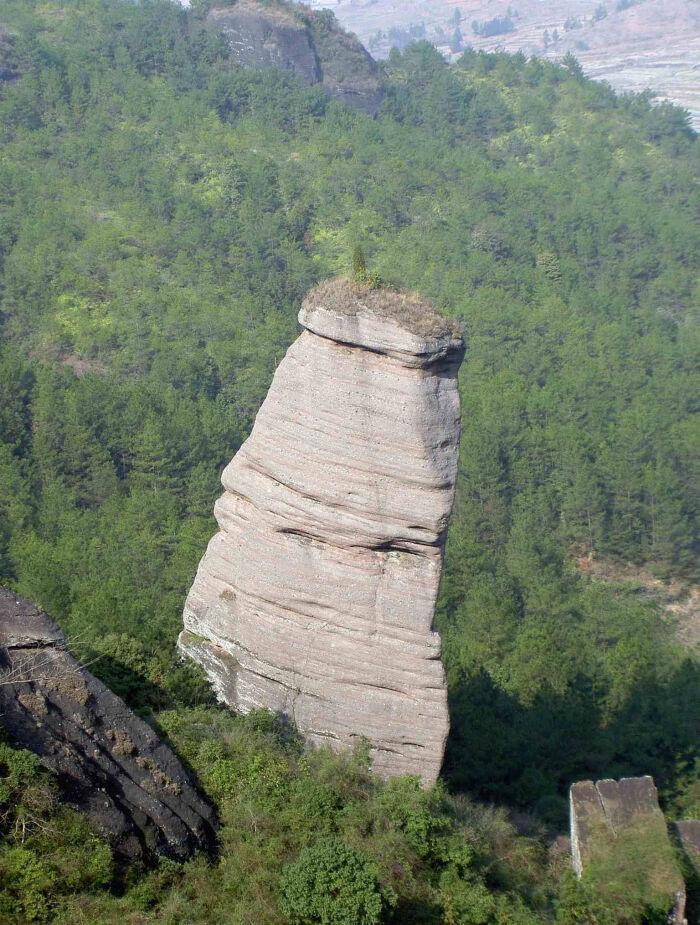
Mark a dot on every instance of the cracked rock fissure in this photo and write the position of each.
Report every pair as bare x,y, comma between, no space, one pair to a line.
316,597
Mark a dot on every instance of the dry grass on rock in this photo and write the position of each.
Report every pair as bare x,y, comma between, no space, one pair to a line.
406,309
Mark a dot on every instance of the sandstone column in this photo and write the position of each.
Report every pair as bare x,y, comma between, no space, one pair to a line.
316,597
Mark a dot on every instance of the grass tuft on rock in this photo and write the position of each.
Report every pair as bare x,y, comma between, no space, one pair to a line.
408,310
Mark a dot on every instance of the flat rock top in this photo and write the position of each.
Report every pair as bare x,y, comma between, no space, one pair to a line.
620,803
22,625
400,324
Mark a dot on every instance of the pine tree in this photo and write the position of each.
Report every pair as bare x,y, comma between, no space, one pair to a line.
359,266
153,466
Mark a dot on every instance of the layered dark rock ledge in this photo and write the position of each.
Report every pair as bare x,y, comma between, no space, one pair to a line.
110,764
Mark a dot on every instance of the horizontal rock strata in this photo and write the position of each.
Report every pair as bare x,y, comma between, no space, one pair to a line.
316,597
110,764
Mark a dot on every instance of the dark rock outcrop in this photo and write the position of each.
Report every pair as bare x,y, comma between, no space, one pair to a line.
349,72
311,45
271,38
109,763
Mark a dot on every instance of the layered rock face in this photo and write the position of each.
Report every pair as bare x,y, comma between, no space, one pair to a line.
110,764
316,597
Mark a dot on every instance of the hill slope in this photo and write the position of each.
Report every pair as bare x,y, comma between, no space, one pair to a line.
163,213
634,44
311,45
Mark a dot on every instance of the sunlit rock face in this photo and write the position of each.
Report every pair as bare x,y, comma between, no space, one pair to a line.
316,597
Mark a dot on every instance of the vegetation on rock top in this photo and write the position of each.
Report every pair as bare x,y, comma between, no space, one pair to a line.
408,310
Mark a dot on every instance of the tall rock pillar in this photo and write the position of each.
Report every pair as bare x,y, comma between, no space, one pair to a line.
316,596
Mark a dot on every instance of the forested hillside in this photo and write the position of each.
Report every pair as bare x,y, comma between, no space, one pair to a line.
162,215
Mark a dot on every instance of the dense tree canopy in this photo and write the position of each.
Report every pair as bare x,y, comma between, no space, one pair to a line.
162,214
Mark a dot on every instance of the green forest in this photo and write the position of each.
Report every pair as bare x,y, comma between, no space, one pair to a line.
163,212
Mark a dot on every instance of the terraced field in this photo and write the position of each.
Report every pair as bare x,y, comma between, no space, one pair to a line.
652,44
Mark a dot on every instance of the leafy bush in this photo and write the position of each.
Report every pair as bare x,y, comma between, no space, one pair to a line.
333,884
145,679
46,851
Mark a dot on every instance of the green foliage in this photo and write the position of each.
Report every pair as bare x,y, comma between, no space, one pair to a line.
332,884
26,883
26,795
465,902
46,852
360,273
631,877
163,213
359,266
316,835
18,768
146,678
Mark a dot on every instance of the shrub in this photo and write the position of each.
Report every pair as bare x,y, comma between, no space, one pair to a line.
26,883
332,884
465,901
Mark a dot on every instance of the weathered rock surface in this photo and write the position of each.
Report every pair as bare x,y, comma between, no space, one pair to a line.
110,764
609,805
268,38
603,810
312,46
688,834
316,597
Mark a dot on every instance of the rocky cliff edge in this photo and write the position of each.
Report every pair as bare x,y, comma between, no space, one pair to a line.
310,44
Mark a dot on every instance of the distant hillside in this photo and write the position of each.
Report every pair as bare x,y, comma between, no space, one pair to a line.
633,44
311,45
